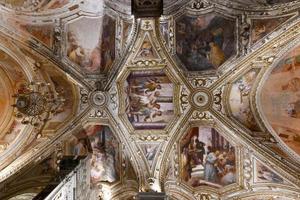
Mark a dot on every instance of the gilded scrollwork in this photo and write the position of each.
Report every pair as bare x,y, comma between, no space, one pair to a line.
151,99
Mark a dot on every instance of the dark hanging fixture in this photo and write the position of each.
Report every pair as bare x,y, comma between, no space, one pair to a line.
147,8
36,103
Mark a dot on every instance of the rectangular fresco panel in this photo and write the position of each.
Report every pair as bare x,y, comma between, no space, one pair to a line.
150,99
204,42
207,158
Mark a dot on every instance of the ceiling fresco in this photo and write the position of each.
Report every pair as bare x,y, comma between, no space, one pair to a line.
201,103
40,5
149,104
203,42
203,148
12,78
279,99
95,52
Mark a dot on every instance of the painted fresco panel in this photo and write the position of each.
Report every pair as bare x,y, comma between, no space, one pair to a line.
41,32
94,52
12,79
205,42
38,5
262,27
63,87
149,104
207,158
146,50
239,100
164,31
280,99
105,160
264,174
127,28
149,151
100,141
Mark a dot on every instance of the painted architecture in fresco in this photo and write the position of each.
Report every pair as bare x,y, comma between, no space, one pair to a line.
207,158
96,52
280,99
205,42
239,100
149,104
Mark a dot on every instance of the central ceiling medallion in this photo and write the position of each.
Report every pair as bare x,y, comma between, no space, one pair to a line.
98,98
201,99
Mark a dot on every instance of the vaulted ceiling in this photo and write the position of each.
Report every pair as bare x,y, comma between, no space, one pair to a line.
160,96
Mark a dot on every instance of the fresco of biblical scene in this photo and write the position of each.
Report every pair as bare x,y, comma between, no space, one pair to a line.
239,100
105,159
280,99
149,104
147,51
66,90
40,5
264,174
207,158
12,79
95,52
205,42
78,145
262,27
164,31
149,151
43,33
105,152
127,28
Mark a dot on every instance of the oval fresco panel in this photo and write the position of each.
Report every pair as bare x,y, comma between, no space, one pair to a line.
280,99
204,42
207,158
